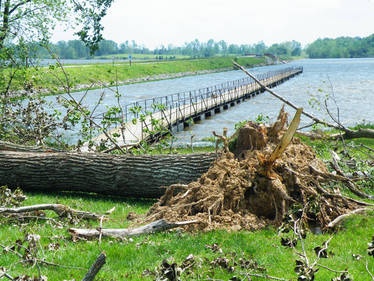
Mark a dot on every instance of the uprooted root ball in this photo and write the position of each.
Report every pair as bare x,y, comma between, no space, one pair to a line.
240,192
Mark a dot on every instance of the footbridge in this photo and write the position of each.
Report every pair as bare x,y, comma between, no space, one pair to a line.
147,119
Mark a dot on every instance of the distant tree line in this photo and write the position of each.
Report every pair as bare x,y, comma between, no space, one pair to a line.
342,47
75,49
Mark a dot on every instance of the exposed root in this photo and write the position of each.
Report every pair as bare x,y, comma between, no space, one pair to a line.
243,191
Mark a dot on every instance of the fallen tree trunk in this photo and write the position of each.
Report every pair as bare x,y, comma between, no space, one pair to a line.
122,175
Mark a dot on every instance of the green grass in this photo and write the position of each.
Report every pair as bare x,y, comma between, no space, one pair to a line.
127,259
323,147
140,56
92,75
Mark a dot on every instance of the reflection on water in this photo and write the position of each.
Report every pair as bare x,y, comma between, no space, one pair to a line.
348,82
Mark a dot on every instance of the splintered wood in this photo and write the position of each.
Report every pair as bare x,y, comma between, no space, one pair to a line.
268,174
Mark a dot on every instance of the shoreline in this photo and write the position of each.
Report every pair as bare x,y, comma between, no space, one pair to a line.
159,77
144,79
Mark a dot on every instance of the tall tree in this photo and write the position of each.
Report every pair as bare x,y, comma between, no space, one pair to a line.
341,47
36,19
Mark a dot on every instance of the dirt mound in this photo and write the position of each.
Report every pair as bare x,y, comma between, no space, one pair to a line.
242,190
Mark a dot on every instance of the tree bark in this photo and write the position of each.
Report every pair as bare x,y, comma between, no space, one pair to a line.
5,24
122,175
9,146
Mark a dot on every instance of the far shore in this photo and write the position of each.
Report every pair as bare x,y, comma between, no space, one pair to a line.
85,78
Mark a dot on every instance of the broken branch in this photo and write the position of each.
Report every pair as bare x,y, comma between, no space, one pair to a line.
59,209
368,271
153,227
339,219
315,119
351,186
348,133
95,268
287,137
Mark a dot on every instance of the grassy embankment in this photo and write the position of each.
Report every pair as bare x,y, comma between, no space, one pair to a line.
127,259
140,56
87,76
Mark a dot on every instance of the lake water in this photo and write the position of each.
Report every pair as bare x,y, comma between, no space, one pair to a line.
350,82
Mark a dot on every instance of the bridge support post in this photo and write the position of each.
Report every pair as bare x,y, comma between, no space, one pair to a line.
197,118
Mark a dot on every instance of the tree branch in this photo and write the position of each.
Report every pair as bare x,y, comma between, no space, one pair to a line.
368,271
339,219
18,5
156,226
315,119
95,268
59,209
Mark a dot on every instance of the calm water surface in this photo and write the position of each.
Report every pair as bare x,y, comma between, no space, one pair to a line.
347,83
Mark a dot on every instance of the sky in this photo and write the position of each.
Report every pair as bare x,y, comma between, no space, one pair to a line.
153,23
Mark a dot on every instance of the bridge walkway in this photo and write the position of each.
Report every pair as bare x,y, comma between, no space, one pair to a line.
147,119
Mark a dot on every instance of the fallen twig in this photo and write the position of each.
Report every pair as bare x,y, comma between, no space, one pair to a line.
339,219
335,163
297,231
156,226
95,268
332,270
4,274
41,261
368,148
247,274
7,276
351,186
100,228
367,269
59,209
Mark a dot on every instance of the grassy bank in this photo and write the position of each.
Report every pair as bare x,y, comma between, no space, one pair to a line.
53,78
130,259
141,56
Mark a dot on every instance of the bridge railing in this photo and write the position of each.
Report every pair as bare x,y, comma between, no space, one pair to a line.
156,104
